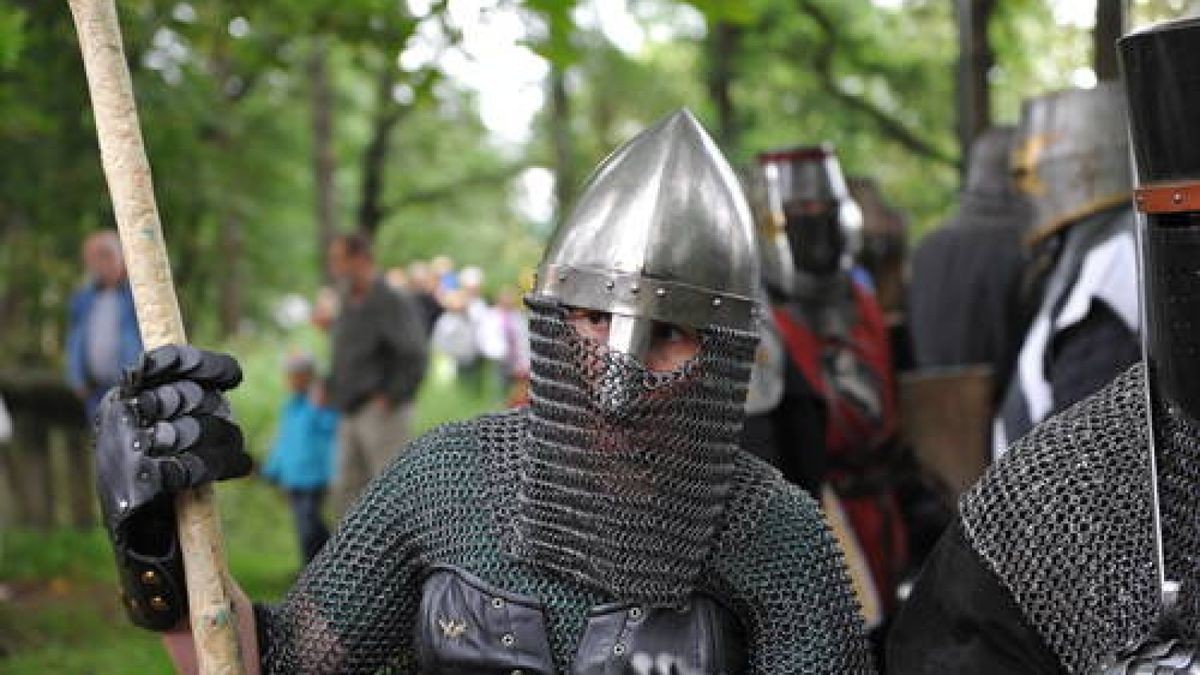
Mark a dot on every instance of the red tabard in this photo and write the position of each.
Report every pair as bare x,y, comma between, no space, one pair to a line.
854,375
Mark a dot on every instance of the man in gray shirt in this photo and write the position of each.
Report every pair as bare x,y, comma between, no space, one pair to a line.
379,359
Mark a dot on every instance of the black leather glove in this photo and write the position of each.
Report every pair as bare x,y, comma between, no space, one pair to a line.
167,427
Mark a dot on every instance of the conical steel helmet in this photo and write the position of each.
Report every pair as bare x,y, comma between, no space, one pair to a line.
661,232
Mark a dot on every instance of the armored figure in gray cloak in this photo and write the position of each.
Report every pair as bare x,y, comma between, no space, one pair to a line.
966,275
613,526
1079,551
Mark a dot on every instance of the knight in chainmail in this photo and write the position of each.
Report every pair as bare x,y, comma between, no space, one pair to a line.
837,365
1079,551
613,526
1079,301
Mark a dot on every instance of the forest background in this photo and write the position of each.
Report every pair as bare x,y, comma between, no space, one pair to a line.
272,124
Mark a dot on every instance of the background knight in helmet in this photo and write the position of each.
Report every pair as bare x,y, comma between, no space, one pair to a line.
1079,550
1071,158
612,525
838,356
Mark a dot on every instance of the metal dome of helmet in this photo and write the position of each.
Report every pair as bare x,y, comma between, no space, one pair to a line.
1071,155
661,231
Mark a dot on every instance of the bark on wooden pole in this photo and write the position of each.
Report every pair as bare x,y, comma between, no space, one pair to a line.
127,171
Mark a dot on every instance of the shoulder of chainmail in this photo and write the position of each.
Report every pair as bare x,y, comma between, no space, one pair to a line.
778,568
352,608
1064,520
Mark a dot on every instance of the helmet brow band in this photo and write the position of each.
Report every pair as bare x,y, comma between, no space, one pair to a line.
1168,197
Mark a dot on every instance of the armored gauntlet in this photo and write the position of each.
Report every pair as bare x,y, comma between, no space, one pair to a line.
166,428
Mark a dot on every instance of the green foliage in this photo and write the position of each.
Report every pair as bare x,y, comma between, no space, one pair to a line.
225,108
740,12
12,21
556,45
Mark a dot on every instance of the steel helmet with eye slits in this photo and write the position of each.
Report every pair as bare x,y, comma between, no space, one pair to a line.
816,221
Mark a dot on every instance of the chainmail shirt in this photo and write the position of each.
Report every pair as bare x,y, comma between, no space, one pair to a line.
1064,520
445,500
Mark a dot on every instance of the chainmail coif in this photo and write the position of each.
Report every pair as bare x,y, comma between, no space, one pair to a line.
624,482
1065,521
447,500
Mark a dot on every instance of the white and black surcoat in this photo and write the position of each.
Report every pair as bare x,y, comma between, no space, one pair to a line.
1086,327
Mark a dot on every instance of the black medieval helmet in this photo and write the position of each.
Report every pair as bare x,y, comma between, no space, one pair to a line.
1163,98
1163,95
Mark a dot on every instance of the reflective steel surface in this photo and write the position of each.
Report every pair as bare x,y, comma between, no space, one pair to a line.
662,231
1071,155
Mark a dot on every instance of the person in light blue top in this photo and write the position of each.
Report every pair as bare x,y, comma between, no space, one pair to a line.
301,460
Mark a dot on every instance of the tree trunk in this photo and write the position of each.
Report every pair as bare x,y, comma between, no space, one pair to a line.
371,210
229,242
1110,25
975,59
564,152
724,39
323,158
231,248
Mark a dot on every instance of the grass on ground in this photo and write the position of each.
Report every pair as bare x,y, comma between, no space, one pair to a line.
58,598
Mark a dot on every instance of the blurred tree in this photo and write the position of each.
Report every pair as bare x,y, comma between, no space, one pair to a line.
456,196
1111,23
270,124
47,184
723,46
975,61
324,162
876,81
556,45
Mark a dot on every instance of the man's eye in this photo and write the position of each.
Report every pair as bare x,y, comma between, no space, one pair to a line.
598,319
669,333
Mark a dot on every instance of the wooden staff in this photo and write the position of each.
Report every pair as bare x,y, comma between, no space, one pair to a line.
213,621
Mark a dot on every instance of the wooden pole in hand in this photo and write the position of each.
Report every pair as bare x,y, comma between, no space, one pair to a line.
127,170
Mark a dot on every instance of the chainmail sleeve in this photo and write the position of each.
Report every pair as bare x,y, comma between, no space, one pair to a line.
780,570
352,609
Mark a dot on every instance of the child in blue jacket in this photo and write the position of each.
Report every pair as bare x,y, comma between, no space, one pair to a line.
301,460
